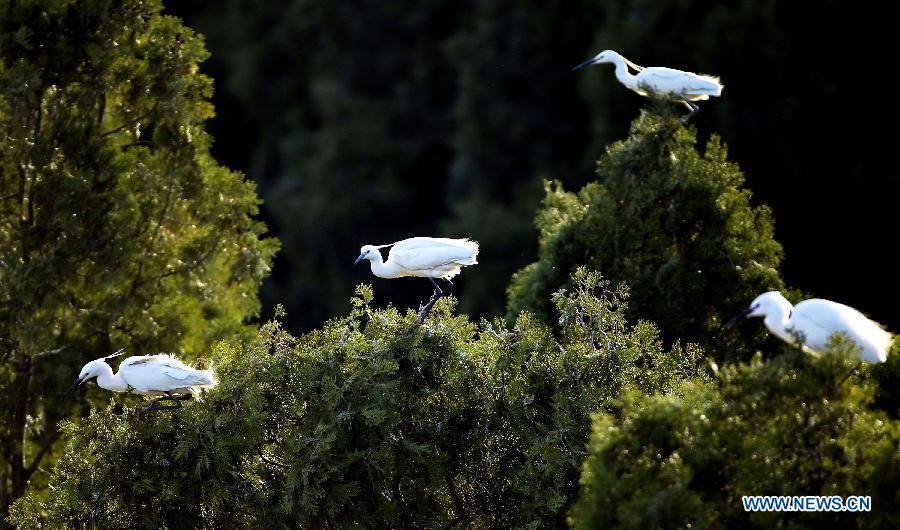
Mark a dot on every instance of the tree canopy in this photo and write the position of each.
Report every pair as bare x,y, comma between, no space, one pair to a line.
670,221
372,421
117,228
794,425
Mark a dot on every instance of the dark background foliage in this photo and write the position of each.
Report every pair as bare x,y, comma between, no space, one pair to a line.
370,123
412,118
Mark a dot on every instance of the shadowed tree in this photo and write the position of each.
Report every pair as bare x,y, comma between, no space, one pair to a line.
117,228
670,221
792,425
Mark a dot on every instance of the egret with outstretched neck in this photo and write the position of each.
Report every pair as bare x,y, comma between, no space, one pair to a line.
815,321
424,257
151,375
686,87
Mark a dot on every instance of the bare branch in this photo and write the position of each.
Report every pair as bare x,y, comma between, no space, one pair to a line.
45,447
461,514
193,265
271,462
52,352
129,123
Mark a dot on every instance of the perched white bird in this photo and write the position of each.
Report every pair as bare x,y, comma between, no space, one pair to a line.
685,86
151,375
426,257
816,320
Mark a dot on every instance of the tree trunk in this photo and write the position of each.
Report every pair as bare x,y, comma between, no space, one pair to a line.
15,443
4,505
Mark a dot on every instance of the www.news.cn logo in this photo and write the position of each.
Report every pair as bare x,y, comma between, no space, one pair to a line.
806,503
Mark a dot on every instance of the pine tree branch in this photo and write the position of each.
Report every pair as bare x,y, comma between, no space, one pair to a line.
425,310
271,462
193,265
461,513
52,352
129,123
45,447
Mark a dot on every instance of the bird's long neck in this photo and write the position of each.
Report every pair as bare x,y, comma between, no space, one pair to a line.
778,321
622,74
382,269
107,380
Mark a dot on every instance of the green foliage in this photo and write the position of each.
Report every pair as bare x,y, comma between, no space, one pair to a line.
671,222
792,425
371,421
887,377
117,228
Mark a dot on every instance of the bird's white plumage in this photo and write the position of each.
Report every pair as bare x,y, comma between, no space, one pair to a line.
152,375
434,257
816,320
429,253
678,84
661,80
157,374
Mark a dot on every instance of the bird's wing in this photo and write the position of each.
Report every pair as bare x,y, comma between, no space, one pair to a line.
160,373
663,79
832,317
141,359
422,253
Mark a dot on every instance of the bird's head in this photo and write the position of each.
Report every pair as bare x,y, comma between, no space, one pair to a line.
762,305
606,56
367,252
92,369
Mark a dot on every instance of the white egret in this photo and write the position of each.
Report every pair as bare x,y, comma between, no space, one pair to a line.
816,320
425,257
684,86
150,375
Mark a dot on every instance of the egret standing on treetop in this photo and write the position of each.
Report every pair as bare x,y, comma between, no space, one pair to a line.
816,320
151,375
426,257
684,86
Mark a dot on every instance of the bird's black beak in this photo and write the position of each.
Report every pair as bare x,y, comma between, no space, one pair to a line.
74,385
360,258
582,65
740,316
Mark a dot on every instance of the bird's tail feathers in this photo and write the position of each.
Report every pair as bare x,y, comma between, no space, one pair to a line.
715,85
209,381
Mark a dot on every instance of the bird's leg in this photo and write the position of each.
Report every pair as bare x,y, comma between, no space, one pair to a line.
437,288
449,284
425,310
694,108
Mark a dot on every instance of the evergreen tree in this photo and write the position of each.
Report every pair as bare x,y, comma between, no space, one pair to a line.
793,425
117,228
371,421
671,222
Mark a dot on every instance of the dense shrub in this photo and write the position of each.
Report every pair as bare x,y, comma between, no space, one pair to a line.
793,425
371,421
